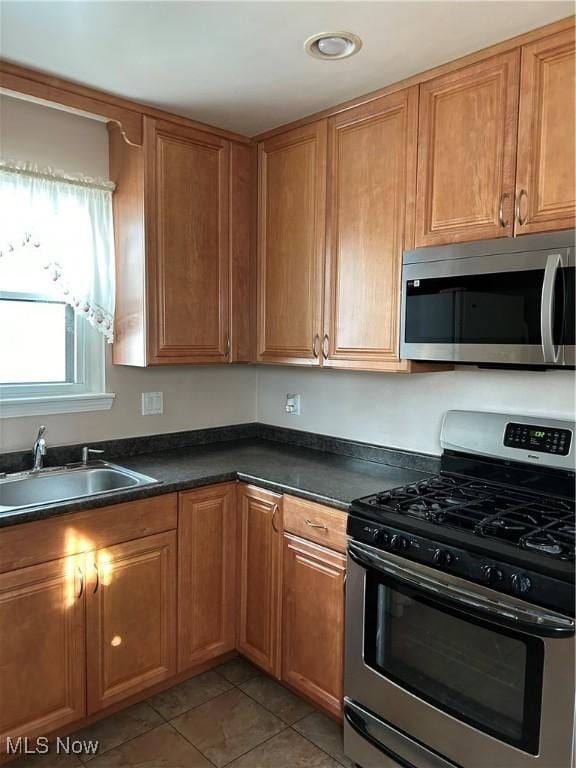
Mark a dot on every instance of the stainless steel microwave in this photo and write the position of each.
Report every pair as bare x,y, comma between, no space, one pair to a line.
499,302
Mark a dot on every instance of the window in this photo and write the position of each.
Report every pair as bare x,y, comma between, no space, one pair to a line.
52,323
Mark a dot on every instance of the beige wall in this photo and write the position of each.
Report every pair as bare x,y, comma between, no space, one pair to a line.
406,411
194,396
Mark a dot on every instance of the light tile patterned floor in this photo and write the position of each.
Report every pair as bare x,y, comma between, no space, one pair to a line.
231,716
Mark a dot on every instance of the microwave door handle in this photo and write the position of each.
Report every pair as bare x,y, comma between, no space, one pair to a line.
501,609
553,264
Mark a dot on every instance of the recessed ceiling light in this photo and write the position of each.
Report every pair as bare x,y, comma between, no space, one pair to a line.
333,45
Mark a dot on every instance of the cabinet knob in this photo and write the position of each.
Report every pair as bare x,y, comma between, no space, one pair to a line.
503,197
325,343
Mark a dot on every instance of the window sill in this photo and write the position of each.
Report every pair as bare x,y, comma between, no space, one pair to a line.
47,404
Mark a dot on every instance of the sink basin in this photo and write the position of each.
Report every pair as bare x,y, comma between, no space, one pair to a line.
49,486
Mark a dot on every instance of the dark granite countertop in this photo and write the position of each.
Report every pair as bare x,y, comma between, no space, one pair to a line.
328,478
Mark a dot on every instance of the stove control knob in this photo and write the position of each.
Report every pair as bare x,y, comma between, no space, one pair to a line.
371,533
442,557
492,574
383,537
398,542
521,583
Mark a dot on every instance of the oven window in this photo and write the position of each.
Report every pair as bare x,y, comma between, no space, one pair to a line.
502,308
479,672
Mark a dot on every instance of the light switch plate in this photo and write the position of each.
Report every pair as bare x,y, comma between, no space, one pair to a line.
152,403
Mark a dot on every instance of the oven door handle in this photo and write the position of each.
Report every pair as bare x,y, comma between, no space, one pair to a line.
508,611
553,264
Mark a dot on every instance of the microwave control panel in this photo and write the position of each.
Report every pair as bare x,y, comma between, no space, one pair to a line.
534,438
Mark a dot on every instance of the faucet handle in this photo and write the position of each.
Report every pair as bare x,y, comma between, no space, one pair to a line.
41,432
86,452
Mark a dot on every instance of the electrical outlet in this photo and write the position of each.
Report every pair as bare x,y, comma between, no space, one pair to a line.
152,403
293,405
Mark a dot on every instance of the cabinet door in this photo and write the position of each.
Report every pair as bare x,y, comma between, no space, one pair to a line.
545,185
371,189
292,193
260,577
42,659
466,152
313,621
187,174
206,574
131,618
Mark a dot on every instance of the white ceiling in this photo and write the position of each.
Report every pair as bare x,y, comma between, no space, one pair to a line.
241,65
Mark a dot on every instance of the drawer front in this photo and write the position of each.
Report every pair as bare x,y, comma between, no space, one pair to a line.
316,522
70,534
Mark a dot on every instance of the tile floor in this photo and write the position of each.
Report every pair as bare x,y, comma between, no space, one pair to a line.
231,716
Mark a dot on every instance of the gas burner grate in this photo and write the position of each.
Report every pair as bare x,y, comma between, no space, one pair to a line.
546,525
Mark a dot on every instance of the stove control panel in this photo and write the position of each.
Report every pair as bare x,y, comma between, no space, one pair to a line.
503,577
540,439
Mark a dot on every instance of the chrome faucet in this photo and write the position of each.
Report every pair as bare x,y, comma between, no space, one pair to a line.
39,451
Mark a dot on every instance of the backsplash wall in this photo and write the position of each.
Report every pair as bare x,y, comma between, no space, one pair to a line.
405,411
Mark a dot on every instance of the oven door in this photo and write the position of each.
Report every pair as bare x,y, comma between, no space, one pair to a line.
451,671
513,308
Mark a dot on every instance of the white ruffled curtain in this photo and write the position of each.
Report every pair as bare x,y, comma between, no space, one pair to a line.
62,224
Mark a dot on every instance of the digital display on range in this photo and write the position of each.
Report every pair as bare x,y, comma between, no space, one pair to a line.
533,438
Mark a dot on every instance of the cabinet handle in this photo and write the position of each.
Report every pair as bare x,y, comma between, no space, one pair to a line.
227,345
316,525
325,346
315,349
519,218
503,198
274,513
97,579
81,590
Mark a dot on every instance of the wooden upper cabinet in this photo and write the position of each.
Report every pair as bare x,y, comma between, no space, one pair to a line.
188,244
545,181
467,151
42,656
292,193
206,574
313,622
181,281
371,190
260,577
131,618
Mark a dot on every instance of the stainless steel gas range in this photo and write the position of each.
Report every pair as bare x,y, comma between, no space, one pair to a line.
460,605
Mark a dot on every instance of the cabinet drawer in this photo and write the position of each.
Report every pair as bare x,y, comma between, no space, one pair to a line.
315,522
71,534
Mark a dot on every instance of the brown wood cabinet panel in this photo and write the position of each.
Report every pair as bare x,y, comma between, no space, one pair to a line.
313,622
131,618
259,627
545,177
188,259
292,194
316,522
206,574
243,253
466,152
74,534
371,190
42,659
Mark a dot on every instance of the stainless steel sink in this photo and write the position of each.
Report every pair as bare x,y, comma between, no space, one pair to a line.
48,486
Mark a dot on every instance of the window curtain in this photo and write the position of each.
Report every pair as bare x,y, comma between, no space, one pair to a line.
62,224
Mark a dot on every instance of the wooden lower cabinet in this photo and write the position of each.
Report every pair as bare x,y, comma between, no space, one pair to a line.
206,574
259,622
42,657
131,618
313,622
